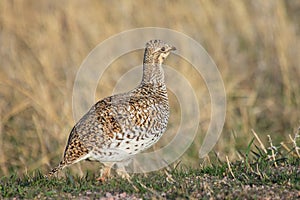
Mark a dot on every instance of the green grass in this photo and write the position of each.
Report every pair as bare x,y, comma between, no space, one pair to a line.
184,182
257,178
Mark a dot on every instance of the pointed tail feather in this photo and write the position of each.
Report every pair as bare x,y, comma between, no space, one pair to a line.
55,170
75,151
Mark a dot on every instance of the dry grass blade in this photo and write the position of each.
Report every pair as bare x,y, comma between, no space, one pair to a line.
259,141
272,150
294,141
229,167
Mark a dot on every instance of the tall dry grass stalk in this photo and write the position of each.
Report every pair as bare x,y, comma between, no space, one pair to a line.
255,45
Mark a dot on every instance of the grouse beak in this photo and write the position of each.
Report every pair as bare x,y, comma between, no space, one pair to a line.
173,48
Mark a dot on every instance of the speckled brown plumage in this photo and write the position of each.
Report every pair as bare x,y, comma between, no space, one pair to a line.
120,126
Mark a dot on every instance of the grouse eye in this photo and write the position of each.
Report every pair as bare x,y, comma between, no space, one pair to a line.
163,48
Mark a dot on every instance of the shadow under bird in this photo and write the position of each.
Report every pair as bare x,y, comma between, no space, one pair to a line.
120,126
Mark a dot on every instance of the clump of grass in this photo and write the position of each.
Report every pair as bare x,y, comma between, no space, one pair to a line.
275,164
260,173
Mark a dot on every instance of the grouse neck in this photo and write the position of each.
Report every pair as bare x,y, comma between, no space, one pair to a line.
153,74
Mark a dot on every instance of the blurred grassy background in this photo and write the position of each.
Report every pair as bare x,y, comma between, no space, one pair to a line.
255,44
